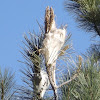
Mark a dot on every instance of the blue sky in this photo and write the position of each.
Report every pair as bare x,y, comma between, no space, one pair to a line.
19,16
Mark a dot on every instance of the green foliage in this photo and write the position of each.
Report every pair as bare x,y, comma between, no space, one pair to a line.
94,51
66,90
34,61
88,12
33,65
87,85
6,85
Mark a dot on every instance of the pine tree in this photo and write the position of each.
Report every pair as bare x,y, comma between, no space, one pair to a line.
37,60
88,12
7,84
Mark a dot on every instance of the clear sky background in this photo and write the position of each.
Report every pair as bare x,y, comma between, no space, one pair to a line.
19,16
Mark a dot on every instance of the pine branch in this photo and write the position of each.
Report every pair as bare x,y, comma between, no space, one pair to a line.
76,75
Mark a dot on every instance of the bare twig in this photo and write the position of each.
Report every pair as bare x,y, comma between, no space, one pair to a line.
64,83
76,75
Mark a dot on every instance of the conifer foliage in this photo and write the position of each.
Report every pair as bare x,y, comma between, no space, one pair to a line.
7,84
88,12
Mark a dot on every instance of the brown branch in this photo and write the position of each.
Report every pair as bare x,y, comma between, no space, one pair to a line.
50,73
